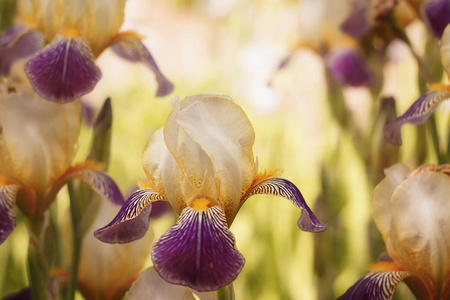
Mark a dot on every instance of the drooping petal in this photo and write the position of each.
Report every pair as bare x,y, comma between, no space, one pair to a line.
420,216
100,182
199,251
417,114
128,46
436,15
18,41
223,131
131,222
64,70
51,130
347,67
150,285
286,189
8,195
375,286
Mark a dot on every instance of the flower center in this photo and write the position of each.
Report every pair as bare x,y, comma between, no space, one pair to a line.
200,204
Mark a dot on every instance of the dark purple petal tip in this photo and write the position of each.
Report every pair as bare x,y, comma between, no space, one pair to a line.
64,70
199,251
7,214
346,66
436,14
134,50
417,114
101,183
18,42
131,222
282,187
375,286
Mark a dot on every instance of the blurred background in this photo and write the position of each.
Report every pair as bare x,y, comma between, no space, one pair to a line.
270,57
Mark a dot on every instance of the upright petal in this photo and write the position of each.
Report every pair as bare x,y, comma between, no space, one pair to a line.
163,172
17,42
131,222
64,70
199,251
8,195
105,19
223,131
417,114
50,129
286,189
420,209
128,46
445,50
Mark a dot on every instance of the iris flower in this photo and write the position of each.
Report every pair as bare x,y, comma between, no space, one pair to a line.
202,163
38,142
74,33
419,112
411,210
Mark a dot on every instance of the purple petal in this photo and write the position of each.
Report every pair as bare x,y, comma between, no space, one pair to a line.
64,70
346,66
134,50
417,114
357,24
284,188
436,14
131,222
375,286
199,251
101,183
18,42
8,195
24,294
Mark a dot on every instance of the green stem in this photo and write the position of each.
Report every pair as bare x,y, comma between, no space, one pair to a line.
225,293
38,267
435,138
77,240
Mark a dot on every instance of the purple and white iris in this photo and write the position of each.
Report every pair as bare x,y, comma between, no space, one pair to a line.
37,145
202,163
411,210
62,38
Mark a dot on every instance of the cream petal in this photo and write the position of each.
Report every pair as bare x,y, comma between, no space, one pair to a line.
223,131
445,50
151,286
420,209
381,201
106,270
105,19
39,137
163,172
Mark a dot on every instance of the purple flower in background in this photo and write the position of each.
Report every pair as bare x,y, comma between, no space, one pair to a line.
74,33
436,14
422,108
348,67
37,145
202,163
411,210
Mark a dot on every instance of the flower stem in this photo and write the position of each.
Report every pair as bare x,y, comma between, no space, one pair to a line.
225,293
77,240
435,138
38,267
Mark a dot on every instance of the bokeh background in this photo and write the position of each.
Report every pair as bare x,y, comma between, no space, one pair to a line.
235,48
